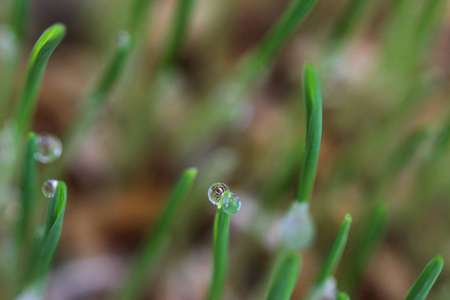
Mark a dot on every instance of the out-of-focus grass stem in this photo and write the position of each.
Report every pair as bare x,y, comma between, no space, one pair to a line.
155,242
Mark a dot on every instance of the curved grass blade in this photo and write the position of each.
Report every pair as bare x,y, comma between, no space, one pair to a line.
40,54
313,103
343,296
334,255
177,32
276,38
284,276
154,243
369,239
426,280
28,190
220,252
98,96
20,17
50,235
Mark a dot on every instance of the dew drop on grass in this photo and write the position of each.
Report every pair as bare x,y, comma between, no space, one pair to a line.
49,148
231,204
297,228
49,188
216,191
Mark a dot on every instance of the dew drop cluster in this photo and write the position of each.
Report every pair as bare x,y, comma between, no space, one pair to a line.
231,203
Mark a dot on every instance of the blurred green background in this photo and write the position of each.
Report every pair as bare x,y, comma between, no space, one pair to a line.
384,70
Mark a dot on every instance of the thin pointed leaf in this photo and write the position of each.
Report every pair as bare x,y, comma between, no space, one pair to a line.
346,22
426,280
284,276
154,243
334,255
20,17
99,95
40,54
276,38
367,243
177,32
313,102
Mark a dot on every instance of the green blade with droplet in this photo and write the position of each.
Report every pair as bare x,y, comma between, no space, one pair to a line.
48,238
220,252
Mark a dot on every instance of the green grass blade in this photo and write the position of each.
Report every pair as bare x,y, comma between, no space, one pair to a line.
313,102
403,154
99,94
52,231
154,243
431,15
20,17
276,38
426,280
369,239
40,54
343,296
177,32
334,255
113,70
28,189
348,20
139,11
220,252
284,276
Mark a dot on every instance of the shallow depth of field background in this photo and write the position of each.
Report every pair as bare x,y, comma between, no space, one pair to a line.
128,162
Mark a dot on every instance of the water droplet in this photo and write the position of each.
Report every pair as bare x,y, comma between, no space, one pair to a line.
298,229
49,188
216,191
231,204
49,148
